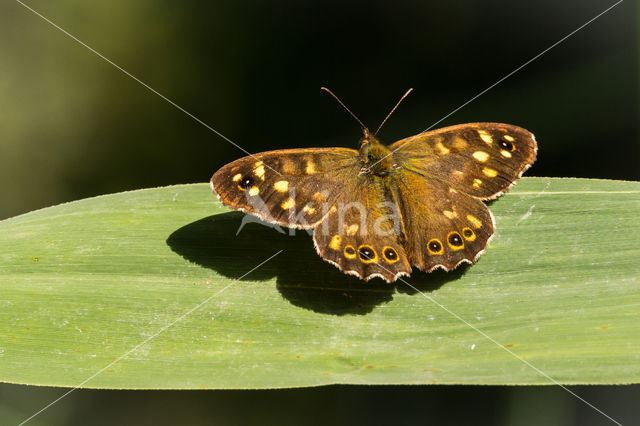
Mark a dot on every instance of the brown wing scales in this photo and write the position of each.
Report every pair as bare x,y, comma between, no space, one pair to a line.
479,159
444,227
362,234
289,187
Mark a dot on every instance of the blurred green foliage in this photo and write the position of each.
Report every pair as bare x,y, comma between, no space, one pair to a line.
75,126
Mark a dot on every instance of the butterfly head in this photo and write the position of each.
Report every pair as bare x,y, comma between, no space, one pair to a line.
374,156
368,138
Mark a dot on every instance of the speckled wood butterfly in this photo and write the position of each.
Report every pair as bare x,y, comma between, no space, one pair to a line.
379,210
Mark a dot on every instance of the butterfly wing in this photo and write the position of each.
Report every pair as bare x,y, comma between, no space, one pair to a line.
479,159
294,187
444,227
362,234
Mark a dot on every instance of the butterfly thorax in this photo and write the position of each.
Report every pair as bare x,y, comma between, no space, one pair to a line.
374,156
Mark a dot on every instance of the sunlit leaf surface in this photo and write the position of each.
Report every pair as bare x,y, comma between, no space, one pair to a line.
139,290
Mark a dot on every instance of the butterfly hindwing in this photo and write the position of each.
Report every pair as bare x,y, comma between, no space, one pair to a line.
290,187
444,227
362,233
480,159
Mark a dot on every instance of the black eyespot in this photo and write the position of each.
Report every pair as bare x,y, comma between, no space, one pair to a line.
390,254
506,145
245,183
435,246
468,233
366,253
455,239
350,250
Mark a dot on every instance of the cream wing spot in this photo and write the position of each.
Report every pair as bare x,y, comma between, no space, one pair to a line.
288,167
450,214
319,197
486,137
308,210
311,167
258,170
287,204
281,186
442,149
351,229
459,143
334,244
489,172
254,191
509,138
505,154
236,177
474,221
481,156
477,183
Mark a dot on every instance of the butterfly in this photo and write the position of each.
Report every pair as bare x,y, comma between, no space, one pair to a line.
380,210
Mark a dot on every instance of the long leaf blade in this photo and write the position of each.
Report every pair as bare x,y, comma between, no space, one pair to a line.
84,283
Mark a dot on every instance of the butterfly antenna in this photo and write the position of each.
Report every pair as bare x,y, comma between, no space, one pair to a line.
344,106
394,108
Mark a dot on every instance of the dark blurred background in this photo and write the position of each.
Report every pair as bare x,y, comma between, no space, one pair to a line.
74,126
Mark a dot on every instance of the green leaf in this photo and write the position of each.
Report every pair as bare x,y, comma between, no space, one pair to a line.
139,290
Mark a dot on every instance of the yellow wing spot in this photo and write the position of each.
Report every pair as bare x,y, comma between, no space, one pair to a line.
335,242
450,214
254,191
459,143
281,186
258,170
308,210
349,252
474,221
443,150
351,229
477,183
509,138
486,137
288,204
453,191
237,177
489,172
311,167
481,156
288,167
319,197
505,154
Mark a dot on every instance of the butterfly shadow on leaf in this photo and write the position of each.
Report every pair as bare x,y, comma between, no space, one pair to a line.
302,277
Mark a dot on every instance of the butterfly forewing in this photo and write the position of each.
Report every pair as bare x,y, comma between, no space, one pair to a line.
479,159
291,187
